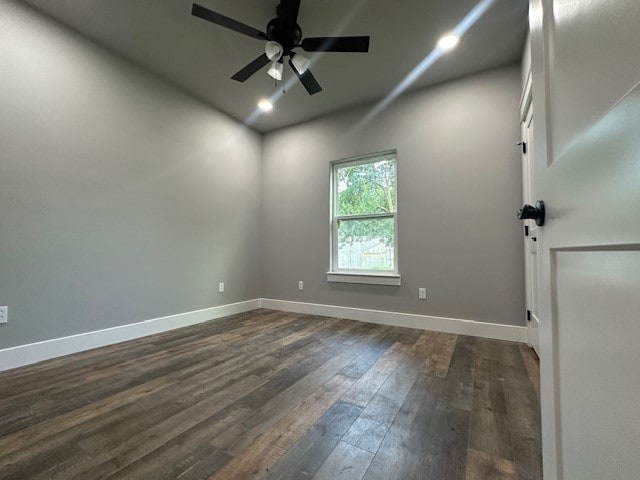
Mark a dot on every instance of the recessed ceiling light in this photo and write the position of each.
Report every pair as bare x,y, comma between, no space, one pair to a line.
265,105
448,41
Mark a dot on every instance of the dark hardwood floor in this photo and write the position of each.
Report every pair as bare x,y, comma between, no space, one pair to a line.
274,395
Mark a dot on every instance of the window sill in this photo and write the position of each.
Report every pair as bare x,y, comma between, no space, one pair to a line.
364,278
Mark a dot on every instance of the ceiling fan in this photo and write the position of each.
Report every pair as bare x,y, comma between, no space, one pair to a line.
283,34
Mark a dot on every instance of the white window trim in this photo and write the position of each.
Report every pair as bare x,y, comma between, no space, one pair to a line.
369,277
364,278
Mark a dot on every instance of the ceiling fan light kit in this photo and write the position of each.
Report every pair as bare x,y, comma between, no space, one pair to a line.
275,70
283,34
273,50
300,62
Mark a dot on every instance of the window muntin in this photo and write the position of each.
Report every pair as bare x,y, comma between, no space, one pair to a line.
364,208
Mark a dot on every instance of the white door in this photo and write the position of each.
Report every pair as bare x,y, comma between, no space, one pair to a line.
586,95
530,230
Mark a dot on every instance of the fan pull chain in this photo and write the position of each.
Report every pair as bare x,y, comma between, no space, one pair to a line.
284,79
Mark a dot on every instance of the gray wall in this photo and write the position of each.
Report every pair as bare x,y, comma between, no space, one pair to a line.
121,198
459,184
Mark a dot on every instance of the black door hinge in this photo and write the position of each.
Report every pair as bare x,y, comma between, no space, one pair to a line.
524,147
528,315
526,230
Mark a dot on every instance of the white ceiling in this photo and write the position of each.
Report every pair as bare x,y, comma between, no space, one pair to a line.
200,57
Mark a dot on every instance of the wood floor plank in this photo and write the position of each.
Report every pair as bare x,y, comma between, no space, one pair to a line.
59,370
246,391
175,457
276,395
204,466
244,432
459,384
424,344
267,449
482,466
403,451
345,462
532,364
447,437
523,412
153,389
306,457
17,443
183,403
400,453
447,442
103,465
489,429
367,385
79,390
438,358
363,362
368,431
430,433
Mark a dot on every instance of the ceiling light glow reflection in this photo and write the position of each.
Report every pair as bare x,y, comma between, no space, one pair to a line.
265,105
448,42
465,24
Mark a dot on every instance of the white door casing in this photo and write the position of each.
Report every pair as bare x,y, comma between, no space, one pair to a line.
586,95
530,228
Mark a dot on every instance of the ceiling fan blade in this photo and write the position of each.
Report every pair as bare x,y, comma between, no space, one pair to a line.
206,14
288,11
307,80
336,44
252,68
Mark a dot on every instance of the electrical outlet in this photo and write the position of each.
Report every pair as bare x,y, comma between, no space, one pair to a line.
300,285
4,313
422,293
221,287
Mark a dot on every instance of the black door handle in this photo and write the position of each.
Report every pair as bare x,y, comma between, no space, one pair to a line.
534,213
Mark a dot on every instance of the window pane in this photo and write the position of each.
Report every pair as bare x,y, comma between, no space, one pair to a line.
367,188
366,244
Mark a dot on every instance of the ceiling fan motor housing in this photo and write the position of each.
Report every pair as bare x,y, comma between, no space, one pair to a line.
287,36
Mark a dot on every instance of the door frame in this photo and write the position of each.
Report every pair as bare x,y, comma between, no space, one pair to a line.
541,31
526,123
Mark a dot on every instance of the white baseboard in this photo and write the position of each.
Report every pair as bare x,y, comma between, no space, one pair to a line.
36,352
410,320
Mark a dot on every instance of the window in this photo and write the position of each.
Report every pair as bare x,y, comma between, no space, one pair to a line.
364,240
